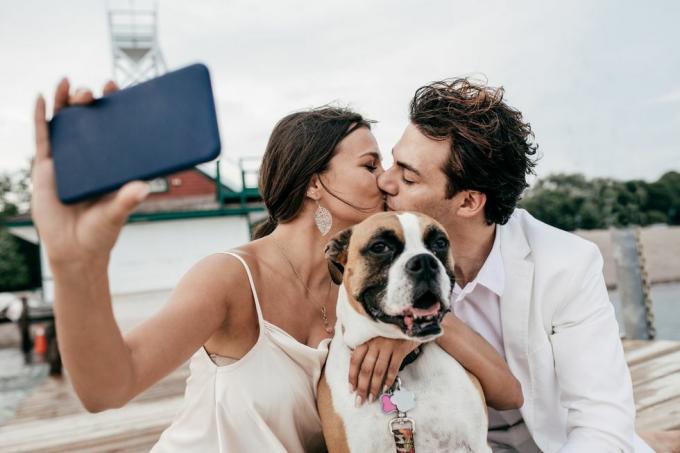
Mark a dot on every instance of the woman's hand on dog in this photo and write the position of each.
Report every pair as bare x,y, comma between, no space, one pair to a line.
375,364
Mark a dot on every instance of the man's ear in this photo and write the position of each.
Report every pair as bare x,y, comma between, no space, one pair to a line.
336,254
471,204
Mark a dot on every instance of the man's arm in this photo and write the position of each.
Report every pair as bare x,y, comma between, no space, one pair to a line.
594,380
377,362
501,389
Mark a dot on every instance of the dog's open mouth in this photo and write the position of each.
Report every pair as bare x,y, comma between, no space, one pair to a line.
424,316
421,319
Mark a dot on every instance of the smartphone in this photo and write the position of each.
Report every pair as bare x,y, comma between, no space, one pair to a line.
155,128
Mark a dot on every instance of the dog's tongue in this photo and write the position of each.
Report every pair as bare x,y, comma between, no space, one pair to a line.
422,312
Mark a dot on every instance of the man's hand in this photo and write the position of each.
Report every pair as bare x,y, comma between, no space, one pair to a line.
375,364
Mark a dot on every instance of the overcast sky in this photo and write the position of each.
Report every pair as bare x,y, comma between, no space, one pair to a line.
599,81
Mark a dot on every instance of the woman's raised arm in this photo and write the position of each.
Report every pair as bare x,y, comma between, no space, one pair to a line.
107,369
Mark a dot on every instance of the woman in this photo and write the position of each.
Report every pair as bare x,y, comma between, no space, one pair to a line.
255,322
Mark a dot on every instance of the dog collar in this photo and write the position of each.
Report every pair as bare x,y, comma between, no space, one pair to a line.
413,355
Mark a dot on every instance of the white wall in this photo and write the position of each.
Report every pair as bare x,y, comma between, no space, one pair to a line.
152,256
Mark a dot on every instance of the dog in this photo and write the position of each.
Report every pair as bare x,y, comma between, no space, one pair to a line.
396,272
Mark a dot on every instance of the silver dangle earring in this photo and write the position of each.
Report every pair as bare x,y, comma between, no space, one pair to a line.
323,219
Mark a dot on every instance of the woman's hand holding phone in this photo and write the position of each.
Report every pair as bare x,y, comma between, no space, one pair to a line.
78,239
81,234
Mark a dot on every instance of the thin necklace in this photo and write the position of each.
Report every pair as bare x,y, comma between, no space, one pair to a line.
324,314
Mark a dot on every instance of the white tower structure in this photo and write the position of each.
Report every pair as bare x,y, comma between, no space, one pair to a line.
134,42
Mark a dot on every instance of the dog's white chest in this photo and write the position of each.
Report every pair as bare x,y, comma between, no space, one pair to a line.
449,413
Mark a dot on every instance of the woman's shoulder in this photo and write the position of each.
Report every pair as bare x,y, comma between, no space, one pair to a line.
215,290
220,274
224,268
227,268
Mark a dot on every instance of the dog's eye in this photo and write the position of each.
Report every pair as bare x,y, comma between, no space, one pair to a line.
379,247
440,244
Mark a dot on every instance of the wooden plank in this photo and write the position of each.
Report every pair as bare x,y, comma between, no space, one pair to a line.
80,428
656,368
631,345
660,417
657,391
56,397
650,350
131,442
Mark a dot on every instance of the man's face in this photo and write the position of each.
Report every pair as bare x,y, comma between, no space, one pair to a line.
416,181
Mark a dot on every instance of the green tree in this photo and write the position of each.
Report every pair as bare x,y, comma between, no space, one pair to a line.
574,202
670,182
14,199
13,268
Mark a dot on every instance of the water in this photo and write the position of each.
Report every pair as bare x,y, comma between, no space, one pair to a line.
666,301
666,307
17,380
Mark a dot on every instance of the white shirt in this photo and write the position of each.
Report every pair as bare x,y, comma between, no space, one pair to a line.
478,305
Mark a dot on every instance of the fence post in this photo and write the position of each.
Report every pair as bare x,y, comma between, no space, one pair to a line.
633,285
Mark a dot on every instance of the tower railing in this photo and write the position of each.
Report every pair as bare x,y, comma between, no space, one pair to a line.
134,43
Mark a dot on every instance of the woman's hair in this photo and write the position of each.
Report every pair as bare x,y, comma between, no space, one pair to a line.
491,145
301,145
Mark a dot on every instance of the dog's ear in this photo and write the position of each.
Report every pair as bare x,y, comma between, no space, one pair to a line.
336,254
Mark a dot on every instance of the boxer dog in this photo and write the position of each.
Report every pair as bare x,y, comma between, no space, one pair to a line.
396,276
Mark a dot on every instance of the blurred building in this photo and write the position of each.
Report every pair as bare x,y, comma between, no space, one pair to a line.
188,215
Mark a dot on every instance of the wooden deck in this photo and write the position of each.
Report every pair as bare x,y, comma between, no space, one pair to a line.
655,369
52,419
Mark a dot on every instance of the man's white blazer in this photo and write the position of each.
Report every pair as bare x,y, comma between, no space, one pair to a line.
561,340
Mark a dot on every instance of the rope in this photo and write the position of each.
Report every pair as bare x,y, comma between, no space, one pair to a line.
646,286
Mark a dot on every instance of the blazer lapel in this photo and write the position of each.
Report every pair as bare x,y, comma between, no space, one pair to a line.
516,303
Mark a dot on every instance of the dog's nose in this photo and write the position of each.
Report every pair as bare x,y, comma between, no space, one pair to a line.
421,265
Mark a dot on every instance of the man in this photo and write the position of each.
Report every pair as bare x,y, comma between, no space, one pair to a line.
535,293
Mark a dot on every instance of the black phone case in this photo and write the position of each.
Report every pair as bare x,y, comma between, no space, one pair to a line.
158,127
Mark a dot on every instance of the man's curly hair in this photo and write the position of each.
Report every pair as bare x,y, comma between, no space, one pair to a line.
492,149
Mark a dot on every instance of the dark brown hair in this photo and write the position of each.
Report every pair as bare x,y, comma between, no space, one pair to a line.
301,145
491,146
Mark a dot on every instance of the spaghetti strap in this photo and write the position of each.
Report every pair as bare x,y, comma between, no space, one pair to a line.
225,408
252,284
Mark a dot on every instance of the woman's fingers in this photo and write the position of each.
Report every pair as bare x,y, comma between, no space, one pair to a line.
375,364
61,95
80,97
365,375
110,87
393,369
42,143
63,98
381,366
126,199
355,362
